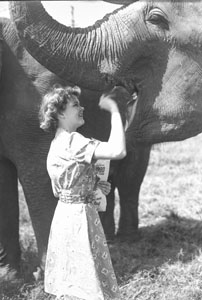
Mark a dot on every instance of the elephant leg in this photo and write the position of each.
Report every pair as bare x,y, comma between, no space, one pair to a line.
107,217
41,204
129,177
9,219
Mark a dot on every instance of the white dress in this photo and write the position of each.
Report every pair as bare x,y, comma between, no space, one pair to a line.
78,264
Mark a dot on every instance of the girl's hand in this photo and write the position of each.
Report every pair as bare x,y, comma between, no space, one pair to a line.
107,103
105,187
116,100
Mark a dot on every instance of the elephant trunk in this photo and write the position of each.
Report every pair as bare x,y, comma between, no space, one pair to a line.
89,57
122,2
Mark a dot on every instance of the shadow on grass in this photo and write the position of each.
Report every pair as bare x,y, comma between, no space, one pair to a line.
172,240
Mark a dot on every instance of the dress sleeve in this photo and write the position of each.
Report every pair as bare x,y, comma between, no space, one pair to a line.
82,148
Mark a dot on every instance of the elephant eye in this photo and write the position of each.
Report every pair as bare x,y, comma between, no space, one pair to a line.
158,17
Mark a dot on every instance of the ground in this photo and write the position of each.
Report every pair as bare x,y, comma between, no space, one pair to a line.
165,263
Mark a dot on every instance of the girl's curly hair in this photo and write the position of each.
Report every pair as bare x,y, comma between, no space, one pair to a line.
53,103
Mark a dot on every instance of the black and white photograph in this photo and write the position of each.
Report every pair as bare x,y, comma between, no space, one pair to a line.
101,150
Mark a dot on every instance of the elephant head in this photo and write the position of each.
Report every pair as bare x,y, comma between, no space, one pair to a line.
154,47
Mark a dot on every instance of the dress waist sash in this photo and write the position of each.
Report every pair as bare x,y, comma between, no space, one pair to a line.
67,197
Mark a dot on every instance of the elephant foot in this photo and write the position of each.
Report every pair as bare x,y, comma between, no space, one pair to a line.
131,237
110,238
10,275
108,226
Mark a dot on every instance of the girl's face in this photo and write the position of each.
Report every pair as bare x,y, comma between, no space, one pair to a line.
72,117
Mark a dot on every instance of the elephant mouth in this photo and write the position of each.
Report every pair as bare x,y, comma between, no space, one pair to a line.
132,89
129,84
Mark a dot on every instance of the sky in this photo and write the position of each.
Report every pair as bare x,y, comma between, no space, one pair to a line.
85,12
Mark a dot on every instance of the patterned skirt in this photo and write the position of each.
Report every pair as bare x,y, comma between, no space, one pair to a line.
78,263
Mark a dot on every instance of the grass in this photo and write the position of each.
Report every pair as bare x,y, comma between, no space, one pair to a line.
166,261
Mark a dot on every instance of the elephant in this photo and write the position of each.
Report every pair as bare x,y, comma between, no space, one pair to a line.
23,83
148,46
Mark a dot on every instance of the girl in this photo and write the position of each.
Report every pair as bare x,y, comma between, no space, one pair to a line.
78,263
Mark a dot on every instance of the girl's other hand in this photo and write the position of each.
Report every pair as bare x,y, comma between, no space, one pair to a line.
105,187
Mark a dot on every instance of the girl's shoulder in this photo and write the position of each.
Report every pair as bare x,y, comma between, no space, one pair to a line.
66,140
78,141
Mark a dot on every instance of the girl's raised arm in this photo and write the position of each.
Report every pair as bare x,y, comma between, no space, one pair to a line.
115,147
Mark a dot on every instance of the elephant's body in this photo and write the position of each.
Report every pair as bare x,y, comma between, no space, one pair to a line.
24,147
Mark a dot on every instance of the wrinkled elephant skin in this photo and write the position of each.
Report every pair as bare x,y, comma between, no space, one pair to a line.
153,46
